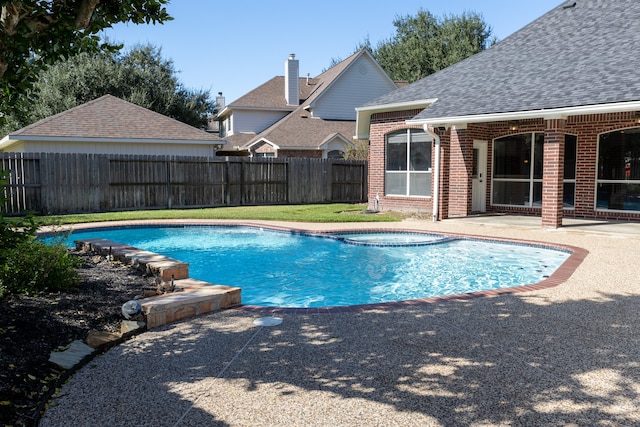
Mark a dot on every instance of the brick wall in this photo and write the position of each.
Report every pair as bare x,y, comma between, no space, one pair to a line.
456,158
311,154
381,125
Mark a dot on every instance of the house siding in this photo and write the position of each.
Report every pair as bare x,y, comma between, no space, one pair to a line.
359,84
254,121
456,167
92,147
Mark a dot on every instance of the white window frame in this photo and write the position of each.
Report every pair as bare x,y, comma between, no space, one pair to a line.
407,172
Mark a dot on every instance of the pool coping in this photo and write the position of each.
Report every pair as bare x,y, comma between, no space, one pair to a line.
559,276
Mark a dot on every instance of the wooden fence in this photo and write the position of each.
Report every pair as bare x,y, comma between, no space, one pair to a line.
48,183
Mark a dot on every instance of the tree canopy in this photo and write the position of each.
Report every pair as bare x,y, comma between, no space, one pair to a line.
141,76
34,33
424,44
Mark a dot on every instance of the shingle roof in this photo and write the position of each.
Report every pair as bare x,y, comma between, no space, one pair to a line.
271,94
239,139
297,129
581,53
109,117
300,131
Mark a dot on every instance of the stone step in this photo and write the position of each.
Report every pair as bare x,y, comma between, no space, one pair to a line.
192,298
161,266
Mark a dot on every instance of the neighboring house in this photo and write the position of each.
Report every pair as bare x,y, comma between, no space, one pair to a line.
546,122
289,116
109,125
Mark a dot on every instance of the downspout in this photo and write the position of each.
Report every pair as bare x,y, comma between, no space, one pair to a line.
436,174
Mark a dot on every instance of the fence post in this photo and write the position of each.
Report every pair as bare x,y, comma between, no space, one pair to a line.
328,180
242,168
47,172
169,196
104,173
227,186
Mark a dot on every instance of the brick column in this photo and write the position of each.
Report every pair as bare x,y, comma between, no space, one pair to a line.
553,173
460,182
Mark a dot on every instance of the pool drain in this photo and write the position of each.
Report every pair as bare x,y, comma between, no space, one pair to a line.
267,321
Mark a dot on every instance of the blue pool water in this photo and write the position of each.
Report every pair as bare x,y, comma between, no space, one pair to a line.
283,269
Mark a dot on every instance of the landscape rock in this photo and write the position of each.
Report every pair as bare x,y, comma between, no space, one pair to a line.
72,356
97,338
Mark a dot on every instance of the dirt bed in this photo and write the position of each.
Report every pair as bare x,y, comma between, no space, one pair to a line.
32,327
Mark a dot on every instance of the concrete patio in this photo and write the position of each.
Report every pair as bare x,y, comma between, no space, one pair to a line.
567,355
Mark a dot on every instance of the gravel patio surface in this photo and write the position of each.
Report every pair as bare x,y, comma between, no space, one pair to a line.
567,355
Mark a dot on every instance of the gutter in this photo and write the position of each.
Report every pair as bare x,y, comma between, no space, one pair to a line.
552,113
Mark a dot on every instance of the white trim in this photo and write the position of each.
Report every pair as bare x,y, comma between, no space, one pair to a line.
398,106
334,136
363,114
553,113
10,140
266,141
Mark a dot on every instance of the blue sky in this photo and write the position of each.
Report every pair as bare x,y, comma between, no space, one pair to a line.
234,46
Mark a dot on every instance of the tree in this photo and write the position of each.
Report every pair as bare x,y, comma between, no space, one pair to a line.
141,76
34,33
424,44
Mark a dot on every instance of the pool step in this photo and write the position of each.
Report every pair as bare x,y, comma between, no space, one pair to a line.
191,297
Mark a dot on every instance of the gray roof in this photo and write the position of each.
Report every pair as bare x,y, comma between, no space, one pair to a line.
579,55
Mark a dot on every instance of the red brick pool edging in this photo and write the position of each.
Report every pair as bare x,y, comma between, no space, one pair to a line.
562,273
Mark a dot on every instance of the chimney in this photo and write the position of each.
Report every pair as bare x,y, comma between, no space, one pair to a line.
220,102
291,81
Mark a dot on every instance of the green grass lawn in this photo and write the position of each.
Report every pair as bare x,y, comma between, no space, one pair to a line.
338,212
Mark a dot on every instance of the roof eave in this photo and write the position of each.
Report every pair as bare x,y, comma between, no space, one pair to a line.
12,139
257,141
7,141
363,114
547,114
332,137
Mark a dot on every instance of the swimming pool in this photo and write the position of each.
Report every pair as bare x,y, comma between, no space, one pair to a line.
288,269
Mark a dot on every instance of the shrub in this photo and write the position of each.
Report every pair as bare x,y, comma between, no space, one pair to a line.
27,265
33,266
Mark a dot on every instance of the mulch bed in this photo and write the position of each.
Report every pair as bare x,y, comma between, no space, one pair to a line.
31,327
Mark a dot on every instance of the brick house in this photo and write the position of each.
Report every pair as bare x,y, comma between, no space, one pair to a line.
546,122
293,116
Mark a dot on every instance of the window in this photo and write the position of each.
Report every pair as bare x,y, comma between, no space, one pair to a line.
517,170
618,182
335,154
408,163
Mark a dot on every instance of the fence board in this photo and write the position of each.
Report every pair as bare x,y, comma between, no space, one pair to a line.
73,183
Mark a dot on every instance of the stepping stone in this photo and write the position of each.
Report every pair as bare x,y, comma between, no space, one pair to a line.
72,356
